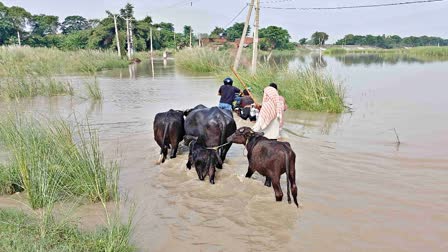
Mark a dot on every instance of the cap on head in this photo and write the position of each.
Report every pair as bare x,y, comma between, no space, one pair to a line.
228,81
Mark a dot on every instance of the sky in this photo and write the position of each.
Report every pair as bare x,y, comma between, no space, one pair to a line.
203,15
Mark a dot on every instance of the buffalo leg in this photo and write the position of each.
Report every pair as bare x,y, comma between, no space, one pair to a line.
163,153
211,174
267,182
249,172
292,181
189,161
277,189
174,150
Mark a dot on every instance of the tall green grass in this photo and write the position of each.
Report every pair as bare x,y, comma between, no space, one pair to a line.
21,232
203,60
28,72
422,51
56,161
304,89
93,90
54,61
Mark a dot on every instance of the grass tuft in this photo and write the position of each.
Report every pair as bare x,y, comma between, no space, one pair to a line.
56,161
93,90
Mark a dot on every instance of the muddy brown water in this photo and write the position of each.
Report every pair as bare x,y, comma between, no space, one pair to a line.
359,189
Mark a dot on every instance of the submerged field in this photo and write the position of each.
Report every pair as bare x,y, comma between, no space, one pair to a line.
305,89
28,72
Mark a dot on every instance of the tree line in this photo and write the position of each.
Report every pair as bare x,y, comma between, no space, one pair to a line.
392,41
18,26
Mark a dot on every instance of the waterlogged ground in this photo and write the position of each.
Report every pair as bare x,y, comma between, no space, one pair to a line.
359,189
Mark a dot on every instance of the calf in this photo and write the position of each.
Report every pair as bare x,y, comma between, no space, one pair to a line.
168,132
270,158
204,160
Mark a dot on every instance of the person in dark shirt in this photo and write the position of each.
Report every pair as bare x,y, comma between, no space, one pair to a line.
227,93
245,106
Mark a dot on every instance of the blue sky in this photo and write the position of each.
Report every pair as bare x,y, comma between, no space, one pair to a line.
204,15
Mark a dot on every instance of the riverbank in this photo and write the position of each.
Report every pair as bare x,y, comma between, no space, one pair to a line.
423,51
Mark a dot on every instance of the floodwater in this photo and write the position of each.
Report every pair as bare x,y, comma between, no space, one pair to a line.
359,189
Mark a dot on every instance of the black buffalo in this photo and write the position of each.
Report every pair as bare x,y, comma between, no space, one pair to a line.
212,126
270,158
169,132
204,160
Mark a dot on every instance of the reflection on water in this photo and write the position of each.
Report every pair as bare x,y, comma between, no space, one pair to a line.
358,191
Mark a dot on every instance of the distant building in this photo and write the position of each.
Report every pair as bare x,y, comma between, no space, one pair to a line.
247,41
213,41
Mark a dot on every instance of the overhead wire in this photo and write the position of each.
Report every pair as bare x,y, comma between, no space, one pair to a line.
351,7
237,15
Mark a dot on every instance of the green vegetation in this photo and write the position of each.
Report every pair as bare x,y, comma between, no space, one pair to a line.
21,232
303,88
419,53
55,161
393,41
203,60
28,72
93,90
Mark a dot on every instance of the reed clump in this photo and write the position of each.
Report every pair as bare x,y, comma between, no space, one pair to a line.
93,90
305,89
203,60
56,161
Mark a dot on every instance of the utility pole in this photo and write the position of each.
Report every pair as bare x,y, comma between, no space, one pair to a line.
116,36
18,37
243,36
150,39
130,41
127,38
131,37
190,36
255,45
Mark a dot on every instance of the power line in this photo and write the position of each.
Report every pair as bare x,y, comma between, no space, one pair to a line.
351,7
237,15
277,1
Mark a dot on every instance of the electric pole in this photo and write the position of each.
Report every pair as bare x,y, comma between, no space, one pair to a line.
190,36
255,45
243,36
130,41
150,39
127,38
116,35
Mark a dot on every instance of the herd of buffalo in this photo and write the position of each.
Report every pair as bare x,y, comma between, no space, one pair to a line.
210,132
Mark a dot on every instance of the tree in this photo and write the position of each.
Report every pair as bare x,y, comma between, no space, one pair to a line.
7,28
303,41
19,18
74,24
166,26
218,32
235,31
127,11
42,25
319,38
276,36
